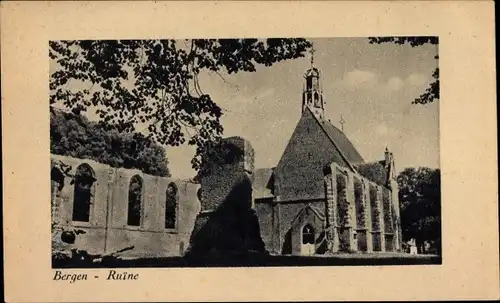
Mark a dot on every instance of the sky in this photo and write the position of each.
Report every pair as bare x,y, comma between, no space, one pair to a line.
372,86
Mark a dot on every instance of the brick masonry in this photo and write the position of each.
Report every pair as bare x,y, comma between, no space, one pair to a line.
221,212
369,226
297,174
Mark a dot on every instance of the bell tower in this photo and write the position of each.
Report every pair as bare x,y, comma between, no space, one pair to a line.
312,95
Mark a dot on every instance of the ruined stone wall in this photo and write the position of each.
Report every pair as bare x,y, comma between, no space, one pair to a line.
107,230
227,222
233,166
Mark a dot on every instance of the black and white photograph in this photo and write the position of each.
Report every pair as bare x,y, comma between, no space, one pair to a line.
247,152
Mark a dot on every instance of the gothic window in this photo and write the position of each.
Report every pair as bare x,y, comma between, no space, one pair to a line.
307,234
171,206
315,83
309,83
134,201
316,99
57,178
198,194
84,182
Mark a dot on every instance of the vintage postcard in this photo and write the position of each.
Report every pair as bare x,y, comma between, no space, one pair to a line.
253,150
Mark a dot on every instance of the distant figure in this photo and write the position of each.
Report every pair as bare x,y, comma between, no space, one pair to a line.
427,246
181,249
413,247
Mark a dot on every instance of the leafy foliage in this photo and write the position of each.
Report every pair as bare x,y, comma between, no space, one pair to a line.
420,200
359,199
58,172
155,82
386,204
374,206
83,192
343,220
342,204
432,92
75,136
227,151
413,41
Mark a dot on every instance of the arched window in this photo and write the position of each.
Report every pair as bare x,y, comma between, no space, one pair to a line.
83,194
308,234
134,201
309,83
316,99
171,206
315,83
198,194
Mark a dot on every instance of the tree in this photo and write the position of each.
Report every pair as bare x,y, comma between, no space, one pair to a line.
155,82
432,92
75,136
420,199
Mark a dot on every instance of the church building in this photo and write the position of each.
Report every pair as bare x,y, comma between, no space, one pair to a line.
322,196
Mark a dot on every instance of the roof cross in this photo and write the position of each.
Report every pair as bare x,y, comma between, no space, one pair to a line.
342,122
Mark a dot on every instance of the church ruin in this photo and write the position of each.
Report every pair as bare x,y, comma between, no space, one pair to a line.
115,208
317,200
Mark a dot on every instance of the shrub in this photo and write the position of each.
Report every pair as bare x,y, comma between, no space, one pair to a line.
374,208
359,199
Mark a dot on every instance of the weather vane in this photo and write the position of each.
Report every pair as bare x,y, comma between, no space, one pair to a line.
342,121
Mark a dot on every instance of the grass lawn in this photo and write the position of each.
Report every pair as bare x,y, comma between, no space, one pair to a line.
259,260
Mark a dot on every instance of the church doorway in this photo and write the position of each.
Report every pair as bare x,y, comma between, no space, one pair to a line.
308,236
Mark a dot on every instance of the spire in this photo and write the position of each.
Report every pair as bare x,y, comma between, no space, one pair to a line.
387,157
312,96
313,50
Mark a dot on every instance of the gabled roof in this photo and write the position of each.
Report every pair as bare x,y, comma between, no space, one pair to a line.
263,177
262,183
341,141
315,211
